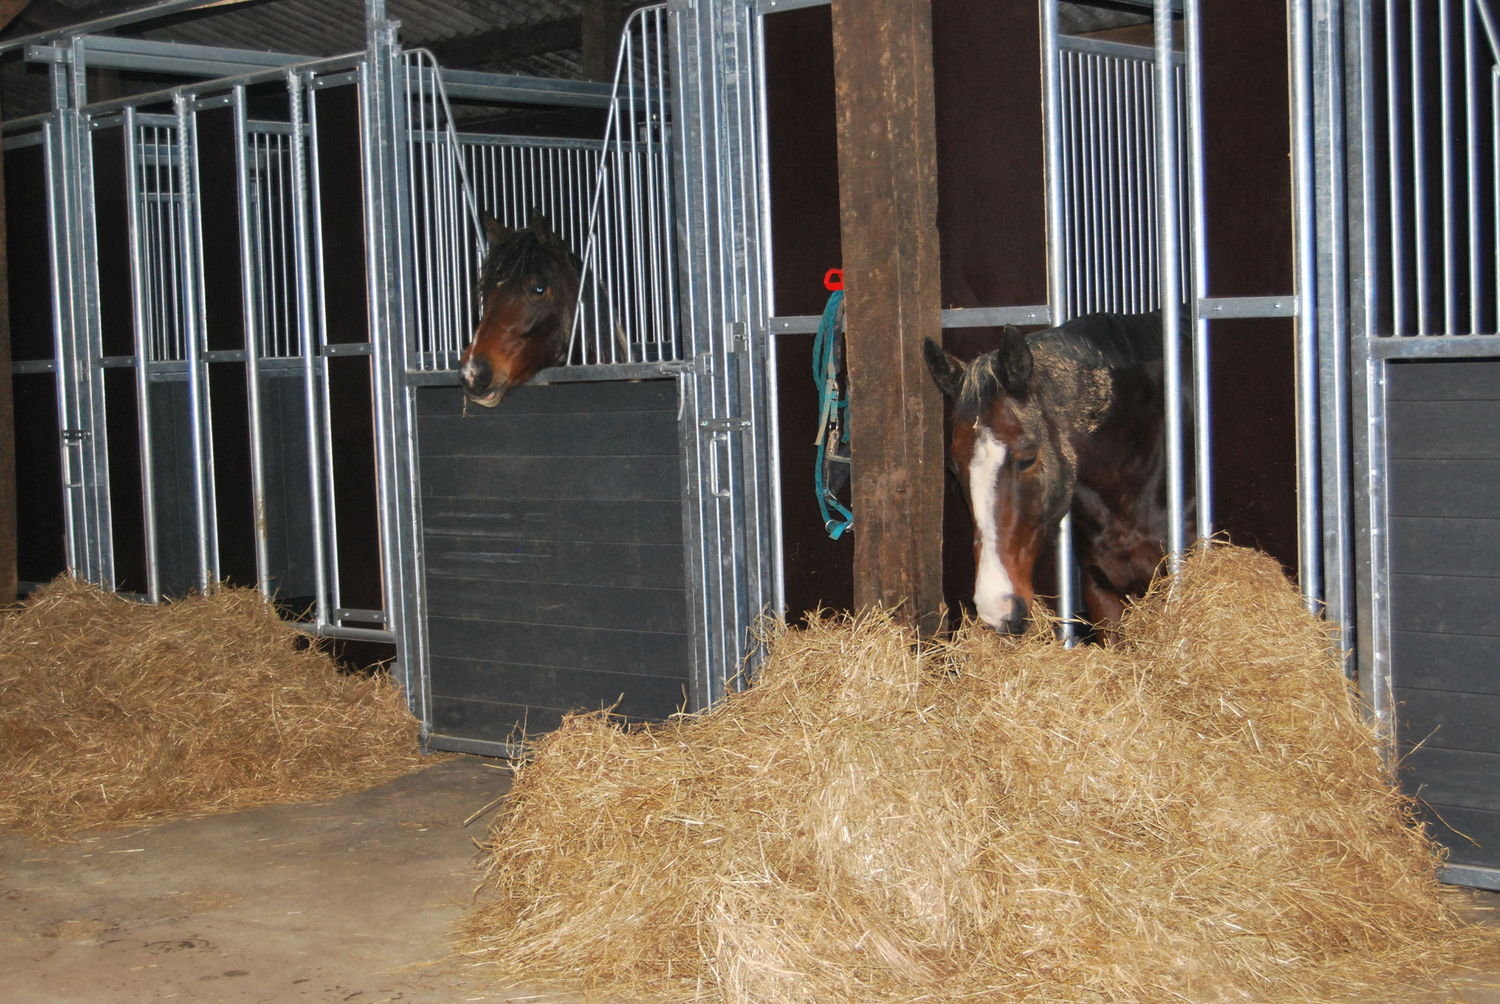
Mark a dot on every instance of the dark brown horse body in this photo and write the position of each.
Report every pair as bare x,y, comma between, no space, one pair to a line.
1069,419
528,291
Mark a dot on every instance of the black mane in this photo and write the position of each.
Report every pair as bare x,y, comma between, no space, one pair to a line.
1097,341
521,253
1104,341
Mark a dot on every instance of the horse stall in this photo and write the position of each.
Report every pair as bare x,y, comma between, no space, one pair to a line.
1316,183
257,284
215,398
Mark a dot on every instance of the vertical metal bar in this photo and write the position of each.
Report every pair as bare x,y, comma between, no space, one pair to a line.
1059,276
775,592
1395,171
1472,175
190,258
302,271
1371,569
1309,542
254,319
1447,134
382,124
141,333
1198,273
1416,111
1168,241
1322,91
332,594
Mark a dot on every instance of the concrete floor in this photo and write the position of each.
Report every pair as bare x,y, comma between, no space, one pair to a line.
353,900
343,901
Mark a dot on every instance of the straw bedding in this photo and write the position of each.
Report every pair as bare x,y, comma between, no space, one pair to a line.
117,712
1199,813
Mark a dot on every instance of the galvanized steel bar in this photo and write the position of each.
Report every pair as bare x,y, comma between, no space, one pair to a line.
1197,266
1309,503
331,592
1059,272
141,334
1169,243
189,260
255,310
387,228
1421,240
1368,207
303,269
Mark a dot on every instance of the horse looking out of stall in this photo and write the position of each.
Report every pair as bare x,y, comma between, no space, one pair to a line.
528,291
1067,419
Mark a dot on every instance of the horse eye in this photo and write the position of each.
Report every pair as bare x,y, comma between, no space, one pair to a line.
1025,461
538,290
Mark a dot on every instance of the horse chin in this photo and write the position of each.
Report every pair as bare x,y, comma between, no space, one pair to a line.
489,398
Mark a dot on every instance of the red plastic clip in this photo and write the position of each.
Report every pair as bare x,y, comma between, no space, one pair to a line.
833,280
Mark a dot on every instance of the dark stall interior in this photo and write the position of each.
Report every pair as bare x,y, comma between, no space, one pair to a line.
987,65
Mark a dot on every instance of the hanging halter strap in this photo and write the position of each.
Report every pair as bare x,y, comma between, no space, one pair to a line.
832,468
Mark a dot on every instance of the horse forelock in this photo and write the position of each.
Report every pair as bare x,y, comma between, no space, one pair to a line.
979,388
521,253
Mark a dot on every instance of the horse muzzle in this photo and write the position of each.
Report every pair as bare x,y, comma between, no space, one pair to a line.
480,383
1008,621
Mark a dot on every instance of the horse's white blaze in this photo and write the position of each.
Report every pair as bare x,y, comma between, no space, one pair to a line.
994,595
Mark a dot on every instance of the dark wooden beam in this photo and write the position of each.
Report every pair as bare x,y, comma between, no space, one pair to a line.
882,53
600,22
501,45
10,9
596,32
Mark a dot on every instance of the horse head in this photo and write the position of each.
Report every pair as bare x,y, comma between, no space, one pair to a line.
1015,465
528,288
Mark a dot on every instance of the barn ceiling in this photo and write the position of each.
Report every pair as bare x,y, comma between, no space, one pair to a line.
533,37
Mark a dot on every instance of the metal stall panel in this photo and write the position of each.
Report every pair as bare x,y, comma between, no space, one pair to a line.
561,557
553,559
731,496
192,331
1424,262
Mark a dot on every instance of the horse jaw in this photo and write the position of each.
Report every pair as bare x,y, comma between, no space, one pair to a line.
488,400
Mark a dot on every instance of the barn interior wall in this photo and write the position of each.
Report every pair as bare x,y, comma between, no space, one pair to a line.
1248,200
40,552
987,68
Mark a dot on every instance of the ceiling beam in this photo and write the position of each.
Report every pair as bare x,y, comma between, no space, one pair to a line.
597,30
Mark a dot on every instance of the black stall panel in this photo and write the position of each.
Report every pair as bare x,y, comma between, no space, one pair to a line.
1444,447
552,540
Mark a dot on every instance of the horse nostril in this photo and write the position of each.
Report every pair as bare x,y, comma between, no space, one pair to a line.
477,375
1019,618
1016,622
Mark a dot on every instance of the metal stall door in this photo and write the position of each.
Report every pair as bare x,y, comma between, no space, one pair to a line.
191,318
1424,265
559,555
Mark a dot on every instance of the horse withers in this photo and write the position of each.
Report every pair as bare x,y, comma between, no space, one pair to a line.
528,290
1068,419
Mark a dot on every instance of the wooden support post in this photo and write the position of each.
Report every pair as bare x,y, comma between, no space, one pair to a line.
601,21
882,57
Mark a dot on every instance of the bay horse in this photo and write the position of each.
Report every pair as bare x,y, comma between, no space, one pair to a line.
1067,419
528,292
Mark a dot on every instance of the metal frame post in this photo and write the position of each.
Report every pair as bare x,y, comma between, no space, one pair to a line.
730,529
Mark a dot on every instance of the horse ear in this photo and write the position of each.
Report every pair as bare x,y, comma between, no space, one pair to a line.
1015,361
494,230
947,372
539,225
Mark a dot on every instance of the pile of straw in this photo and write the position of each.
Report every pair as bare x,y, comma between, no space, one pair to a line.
1199,813
116,712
